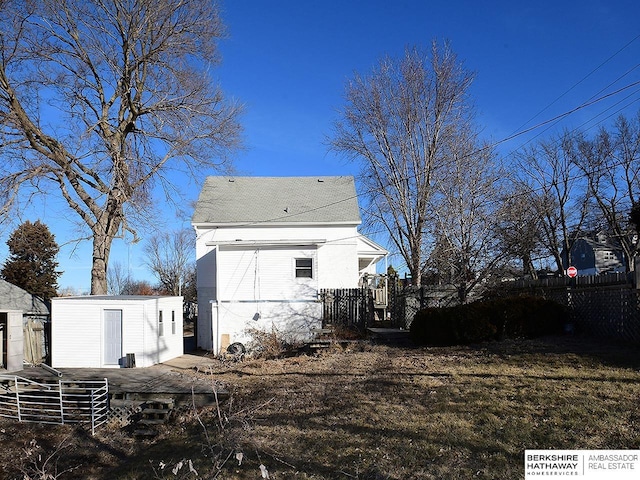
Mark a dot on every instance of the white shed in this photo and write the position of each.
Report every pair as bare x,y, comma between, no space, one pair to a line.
104,331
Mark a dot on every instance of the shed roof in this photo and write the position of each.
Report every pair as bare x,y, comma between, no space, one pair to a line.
277,200
113,298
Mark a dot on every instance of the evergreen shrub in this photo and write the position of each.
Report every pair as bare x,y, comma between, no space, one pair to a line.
492,319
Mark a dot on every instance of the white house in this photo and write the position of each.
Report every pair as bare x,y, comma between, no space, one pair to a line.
265,246
101,331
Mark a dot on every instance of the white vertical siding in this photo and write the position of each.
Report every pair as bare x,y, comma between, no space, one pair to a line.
76,334
15,341
77,330
265,273
258,281
170,344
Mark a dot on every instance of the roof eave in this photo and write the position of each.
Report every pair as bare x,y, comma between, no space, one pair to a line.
273,224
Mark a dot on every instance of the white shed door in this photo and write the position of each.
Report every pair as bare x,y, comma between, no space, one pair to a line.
112,337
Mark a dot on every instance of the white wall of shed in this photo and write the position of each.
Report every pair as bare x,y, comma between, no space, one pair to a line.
77,331
76,334
170,345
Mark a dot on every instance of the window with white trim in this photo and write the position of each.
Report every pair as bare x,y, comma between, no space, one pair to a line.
160,325
173,322
304,268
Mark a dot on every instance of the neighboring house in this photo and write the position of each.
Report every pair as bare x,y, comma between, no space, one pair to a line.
18,308
265,246
101,331
15,298
595,255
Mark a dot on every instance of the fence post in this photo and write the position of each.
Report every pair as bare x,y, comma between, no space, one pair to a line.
93,420
15,379
61,402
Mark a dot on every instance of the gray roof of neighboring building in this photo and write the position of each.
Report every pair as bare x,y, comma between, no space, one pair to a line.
15,298
277,200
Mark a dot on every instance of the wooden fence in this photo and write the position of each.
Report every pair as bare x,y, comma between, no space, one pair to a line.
600,305
347,307
364,307
604,306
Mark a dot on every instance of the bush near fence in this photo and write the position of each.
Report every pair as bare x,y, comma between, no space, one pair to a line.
493,319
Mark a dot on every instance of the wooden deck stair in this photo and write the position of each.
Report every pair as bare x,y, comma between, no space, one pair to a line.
154,412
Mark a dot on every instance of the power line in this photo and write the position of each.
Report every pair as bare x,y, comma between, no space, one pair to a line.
490,146
583,79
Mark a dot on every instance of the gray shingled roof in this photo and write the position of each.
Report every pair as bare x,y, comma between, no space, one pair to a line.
15,298
228,200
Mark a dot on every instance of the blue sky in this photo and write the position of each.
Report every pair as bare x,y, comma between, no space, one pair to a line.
288,61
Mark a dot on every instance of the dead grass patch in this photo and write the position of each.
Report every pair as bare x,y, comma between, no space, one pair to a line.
387,413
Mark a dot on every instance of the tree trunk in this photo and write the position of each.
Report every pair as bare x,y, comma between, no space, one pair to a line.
528,267
104,231
101,251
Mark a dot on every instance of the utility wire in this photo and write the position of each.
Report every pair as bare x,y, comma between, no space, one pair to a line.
582,80
487,147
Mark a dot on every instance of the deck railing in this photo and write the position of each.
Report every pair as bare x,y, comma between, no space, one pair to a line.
63,402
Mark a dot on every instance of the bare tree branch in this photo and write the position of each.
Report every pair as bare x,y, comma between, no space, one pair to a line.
399,122
99,98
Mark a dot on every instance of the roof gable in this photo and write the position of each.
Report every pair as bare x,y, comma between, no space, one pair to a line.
277,200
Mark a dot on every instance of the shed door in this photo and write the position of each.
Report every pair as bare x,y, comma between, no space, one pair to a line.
112,337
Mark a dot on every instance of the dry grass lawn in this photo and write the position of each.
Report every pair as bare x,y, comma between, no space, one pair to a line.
371,412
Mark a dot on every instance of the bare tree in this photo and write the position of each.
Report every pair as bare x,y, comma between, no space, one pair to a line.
398,122
610,162
117,278
552,183
465,208
169,256
101,99
519,227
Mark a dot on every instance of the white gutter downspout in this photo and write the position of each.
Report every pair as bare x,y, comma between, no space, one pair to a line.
215,340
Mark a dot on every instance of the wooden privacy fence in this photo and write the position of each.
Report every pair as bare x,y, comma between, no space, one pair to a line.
347,307
64,402
600,305
35,345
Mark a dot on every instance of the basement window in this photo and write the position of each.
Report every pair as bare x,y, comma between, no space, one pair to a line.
304,268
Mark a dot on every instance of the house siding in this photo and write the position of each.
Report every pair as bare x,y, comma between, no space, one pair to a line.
249,232
260,283
265,274
338,265
78,330
594,258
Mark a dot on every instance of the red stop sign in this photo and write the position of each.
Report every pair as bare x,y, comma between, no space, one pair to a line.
572,272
